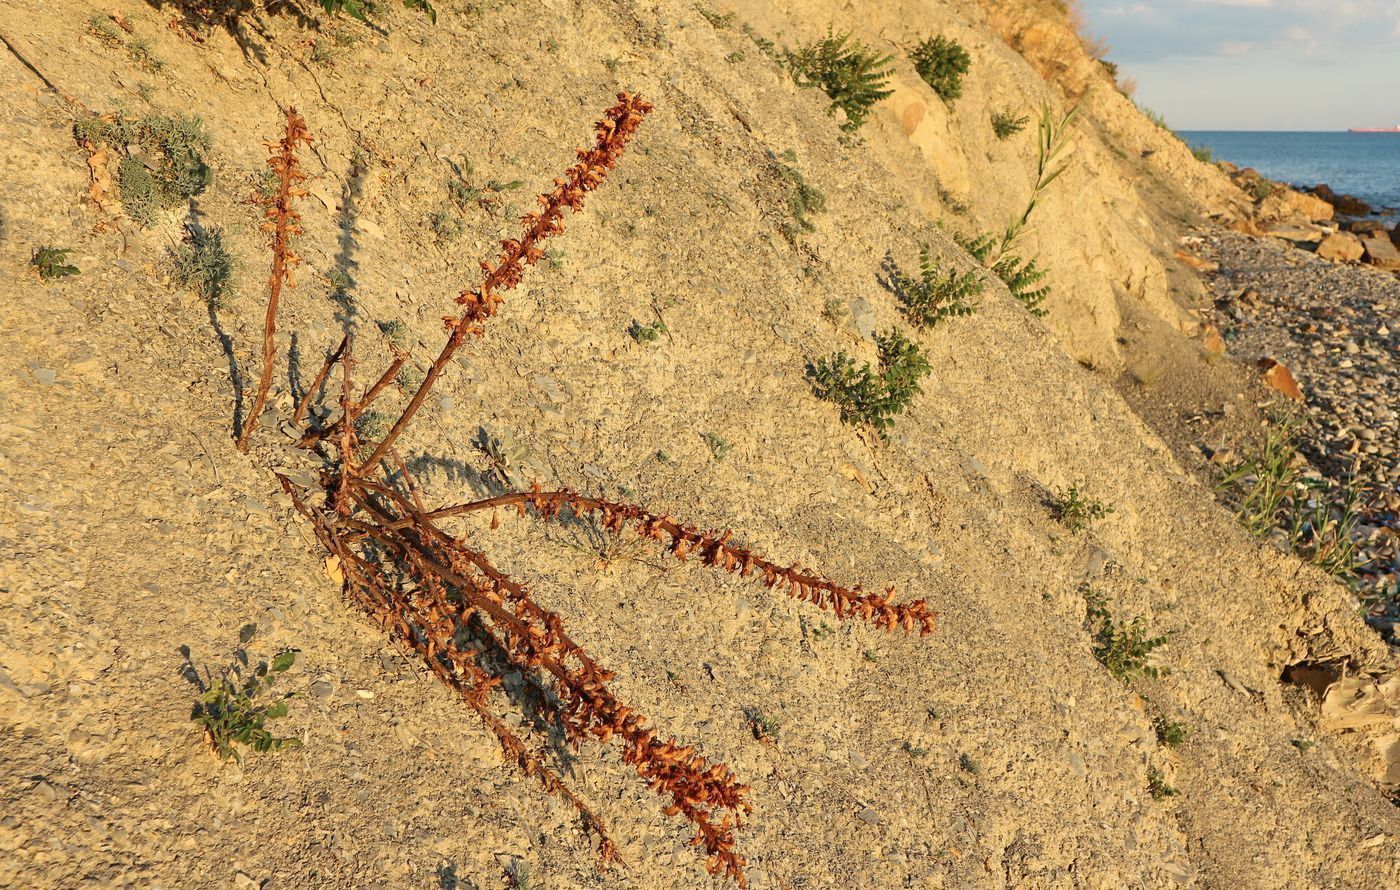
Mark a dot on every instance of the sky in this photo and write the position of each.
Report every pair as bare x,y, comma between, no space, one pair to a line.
1257,64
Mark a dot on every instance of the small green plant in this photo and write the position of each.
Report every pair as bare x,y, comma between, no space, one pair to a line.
969,763
1261,188
143,53
234,709
101,27
993,251
914,750
1053,141
1275,498
868,396
763,726
836,311
719,446
854,76
803,199
203,265
1078,511
1020,276
1007,123
373,425
395,331
646,333
360,9
1202,153
942,62
1154,117
935,296
1124,649
718,21
163,164
1169,732
488,196
409,378
1157,785
52,262
447,226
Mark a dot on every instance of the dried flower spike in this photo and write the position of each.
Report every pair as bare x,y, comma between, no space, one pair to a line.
284,222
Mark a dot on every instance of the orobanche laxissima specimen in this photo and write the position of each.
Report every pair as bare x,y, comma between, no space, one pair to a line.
435,593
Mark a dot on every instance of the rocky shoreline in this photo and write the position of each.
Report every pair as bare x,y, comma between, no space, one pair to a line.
1336,327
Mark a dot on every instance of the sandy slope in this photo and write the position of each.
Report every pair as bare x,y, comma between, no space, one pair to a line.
133,527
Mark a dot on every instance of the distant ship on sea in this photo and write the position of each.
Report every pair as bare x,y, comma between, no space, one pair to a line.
1374,130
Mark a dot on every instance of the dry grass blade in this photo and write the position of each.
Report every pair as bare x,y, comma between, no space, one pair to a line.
284,220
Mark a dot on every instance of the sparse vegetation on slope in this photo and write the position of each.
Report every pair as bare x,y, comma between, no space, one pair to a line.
52,262
424,586
942,63
873,396
854,76
935,296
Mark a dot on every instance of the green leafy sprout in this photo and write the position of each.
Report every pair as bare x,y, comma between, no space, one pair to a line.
52,262
1125,649
1007,123
869,396
234,710
203,265
935,296
1078,511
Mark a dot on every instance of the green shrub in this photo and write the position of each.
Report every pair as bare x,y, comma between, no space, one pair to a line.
1275,498
646,333
1007,123
203,265
1123,649
1157,784
718,21
866,395
850,73
52,262
719,446
935,296
942,62
1202,153
169,168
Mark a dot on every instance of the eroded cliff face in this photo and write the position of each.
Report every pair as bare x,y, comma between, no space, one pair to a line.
1107,228
999,752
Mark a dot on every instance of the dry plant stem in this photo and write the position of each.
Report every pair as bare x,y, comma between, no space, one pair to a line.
283,218
313,436
320,379
714,550
431,636
385,379
535,638
613,133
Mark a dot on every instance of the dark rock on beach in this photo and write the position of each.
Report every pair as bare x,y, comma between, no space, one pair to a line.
1347,205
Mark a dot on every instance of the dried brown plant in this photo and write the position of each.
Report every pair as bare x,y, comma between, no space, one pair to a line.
436,594
284,222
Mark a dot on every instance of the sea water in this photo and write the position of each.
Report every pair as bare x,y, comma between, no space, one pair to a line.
1366,165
